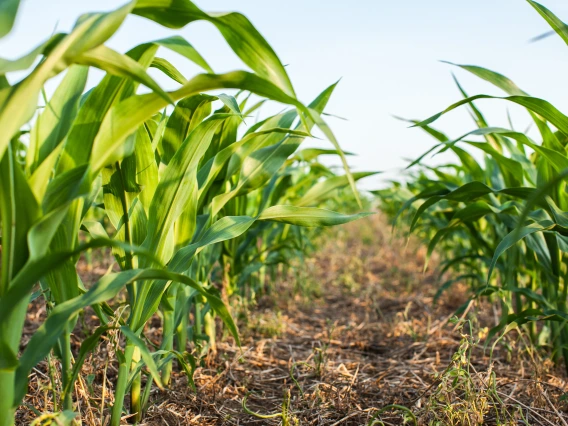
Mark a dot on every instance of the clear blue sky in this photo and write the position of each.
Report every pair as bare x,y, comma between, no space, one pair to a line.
386,53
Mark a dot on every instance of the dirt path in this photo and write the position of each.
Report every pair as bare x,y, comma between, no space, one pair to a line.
360,332
357,331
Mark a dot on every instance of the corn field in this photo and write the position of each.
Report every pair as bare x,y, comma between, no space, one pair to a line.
200,201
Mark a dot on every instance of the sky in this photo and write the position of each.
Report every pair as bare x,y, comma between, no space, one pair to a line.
386,53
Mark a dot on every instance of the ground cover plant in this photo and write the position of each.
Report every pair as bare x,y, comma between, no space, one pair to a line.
167,180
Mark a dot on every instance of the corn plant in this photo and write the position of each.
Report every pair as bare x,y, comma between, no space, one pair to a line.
500,223
304,181
161,169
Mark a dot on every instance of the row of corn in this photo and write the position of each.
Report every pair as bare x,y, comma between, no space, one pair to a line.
498,212
179,185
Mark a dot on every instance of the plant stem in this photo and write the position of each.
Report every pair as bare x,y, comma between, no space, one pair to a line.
210,331
135,401
120,394
181,333
66,368
52,380
7,385
168,343
168,310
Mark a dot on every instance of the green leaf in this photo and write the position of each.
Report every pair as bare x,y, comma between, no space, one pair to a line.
323,189
231,103
53,124
26,61
167,68
494,78
145,354
8,11
310,154
178,185
514,237
237,30
120,65
224,229
308,216
18,103
187,114
552,20
124,118
184,48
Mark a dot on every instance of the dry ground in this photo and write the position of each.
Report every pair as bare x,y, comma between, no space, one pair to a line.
353,331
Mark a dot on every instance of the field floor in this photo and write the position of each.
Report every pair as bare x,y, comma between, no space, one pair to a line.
354,331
